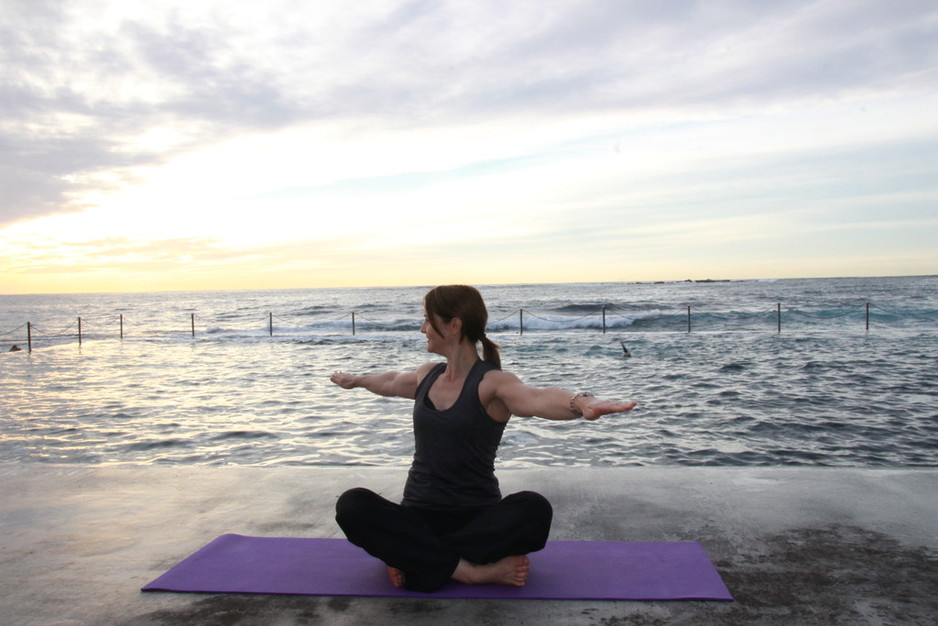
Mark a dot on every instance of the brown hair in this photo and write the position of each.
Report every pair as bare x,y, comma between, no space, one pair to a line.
464,302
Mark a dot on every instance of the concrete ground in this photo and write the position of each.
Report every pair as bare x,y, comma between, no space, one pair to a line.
794,545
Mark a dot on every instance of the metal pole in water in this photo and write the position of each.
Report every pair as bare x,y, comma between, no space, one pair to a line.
29,335
79,330
867,315
520,321
779,309
271,323
193,324
353,322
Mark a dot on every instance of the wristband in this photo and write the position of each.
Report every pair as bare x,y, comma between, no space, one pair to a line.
573,409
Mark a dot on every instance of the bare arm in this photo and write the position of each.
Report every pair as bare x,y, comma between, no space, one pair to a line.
392,384
551,402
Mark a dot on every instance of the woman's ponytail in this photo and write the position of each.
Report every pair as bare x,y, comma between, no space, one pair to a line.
490,352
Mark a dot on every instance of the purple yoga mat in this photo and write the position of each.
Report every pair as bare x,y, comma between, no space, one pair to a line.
564,570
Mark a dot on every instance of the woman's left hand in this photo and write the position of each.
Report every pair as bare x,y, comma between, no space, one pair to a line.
596,408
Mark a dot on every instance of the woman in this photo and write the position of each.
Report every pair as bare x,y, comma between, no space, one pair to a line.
453,522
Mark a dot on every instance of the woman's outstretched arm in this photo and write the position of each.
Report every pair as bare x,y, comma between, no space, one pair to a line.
551,402
393,384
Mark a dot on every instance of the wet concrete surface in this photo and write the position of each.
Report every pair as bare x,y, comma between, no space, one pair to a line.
794,545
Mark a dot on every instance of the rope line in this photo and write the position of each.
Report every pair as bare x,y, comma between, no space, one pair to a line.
10,333
362,318
745,314
825,317
329,321
897,314
729,320
379,324
499,321
60,333
565,319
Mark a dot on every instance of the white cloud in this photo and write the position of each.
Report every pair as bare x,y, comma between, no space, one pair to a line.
371,125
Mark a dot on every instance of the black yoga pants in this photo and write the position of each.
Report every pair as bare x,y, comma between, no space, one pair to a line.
426,545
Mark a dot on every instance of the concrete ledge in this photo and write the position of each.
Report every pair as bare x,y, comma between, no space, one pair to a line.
794,545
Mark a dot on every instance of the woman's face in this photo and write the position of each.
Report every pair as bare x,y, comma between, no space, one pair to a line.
435,340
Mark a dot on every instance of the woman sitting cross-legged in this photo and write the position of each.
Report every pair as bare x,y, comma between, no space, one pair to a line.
453,522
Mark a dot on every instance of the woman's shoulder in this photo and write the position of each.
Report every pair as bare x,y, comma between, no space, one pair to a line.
424,370
494,377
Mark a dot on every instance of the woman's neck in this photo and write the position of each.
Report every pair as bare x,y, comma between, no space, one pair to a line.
463,357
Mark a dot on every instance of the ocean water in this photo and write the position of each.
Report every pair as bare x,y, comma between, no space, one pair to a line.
840,372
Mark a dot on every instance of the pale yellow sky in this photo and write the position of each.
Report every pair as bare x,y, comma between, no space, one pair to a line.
162,145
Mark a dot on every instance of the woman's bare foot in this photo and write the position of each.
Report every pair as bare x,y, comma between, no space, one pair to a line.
512,570
396,576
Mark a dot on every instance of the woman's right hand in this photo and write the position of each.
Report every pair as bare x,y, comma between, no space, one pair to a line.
391,384
344,380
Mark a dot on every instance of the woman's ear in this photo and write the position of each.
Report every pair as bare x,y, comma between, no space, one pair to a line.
455,326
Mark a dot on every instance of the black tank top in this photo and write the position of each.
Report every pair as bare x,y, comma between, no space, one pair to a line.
454,455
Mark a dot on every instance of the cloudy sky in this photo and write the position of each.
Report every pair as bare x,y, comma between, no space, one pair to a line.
149,144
